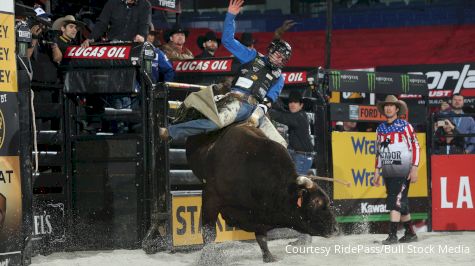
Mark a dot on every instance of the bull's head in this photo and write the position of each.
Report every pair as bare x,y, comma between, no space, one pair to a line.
315,208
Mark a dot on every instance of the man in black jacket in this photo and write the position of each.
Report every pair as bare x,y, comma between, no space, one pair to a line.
300,144
128,21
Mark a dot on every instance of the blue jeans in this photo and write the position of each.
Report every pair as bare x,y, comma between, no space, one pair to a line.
200,126
302,162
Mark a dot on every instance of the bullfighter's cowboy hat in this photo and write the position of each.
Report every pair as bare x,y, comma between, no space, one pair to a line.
391,99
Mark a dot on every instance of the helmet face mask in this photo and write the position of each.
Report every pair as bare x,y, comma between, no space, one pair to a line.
279,53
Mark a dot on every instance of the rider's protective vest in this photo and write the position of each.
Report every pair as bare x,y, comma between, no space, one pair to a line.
256,77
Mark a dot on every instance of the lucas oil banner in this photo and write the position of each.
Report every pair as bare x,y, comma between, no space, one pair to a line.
10,181
354,161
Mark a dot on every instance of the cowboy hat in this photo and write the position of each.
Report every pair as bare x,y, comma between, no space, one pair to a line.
391,99
175,29
295,96
209,36
63,21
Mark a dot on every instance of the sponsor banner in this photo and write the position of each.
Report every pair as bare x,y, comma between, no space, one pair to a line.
442,80
167,5
359,152
358,210
49,221
10,204
295,77
98,52
377,82
453,192
186,223
367,113
8,74
9,124
198,65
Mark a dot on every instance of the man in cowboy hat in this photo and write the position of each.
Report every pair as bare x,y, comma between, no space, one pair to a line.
397,155
174,49
300,142
247,40
209,43
68,26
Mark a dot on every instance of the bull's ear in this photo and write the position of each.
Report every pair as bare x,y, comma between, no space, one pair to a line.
305,182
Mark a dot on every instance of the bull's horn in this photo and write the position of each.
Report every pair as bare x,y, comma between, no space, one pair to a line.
305,181
314,177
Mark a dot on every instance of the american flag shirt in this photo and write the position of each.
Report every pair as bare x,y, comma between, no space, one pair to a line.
397,148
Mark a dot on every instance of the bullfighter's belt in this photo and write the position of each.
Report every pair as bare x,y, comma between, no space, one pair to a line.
244,97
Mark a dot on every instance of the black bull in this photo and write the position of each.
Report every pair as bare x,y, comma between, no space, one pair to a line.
253,183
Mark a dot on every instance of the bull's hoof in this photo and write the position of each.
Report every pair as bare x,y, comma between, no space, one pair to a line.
269,258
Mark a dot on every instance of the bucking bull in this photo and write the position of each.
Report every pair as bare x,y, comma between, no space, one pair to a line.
252,182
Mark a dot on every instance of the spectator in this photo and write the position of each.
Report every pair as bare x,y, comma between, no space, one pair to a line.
349,126
247,40
152,37
162,69
174,49
38,28
465,125
209,43
69,28
446,139
41,4
127,20
445,107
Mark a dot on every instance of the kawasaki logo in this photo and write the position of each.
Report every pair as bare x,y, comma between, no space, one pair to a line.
336,77
405,83
367,208
371,81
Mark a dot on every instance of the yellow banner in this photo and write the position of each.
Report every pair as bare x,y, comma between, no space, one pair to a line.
8,74
10,201
354,160
186,223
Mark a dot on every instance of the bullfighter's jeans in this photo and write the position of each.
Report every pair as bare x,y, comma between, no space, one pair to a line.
302,162
200,126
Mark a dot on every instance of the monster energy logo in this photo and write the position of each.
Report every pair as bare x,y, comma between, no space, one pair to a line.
371,81
336,77
405,83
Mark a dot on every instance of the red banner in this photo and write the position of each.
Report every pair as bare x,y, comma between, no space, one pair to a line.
295,77
453,188
203,65
98,52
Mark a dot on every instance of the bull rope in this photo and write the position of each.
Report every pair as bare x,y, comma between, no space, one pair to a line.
324,178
